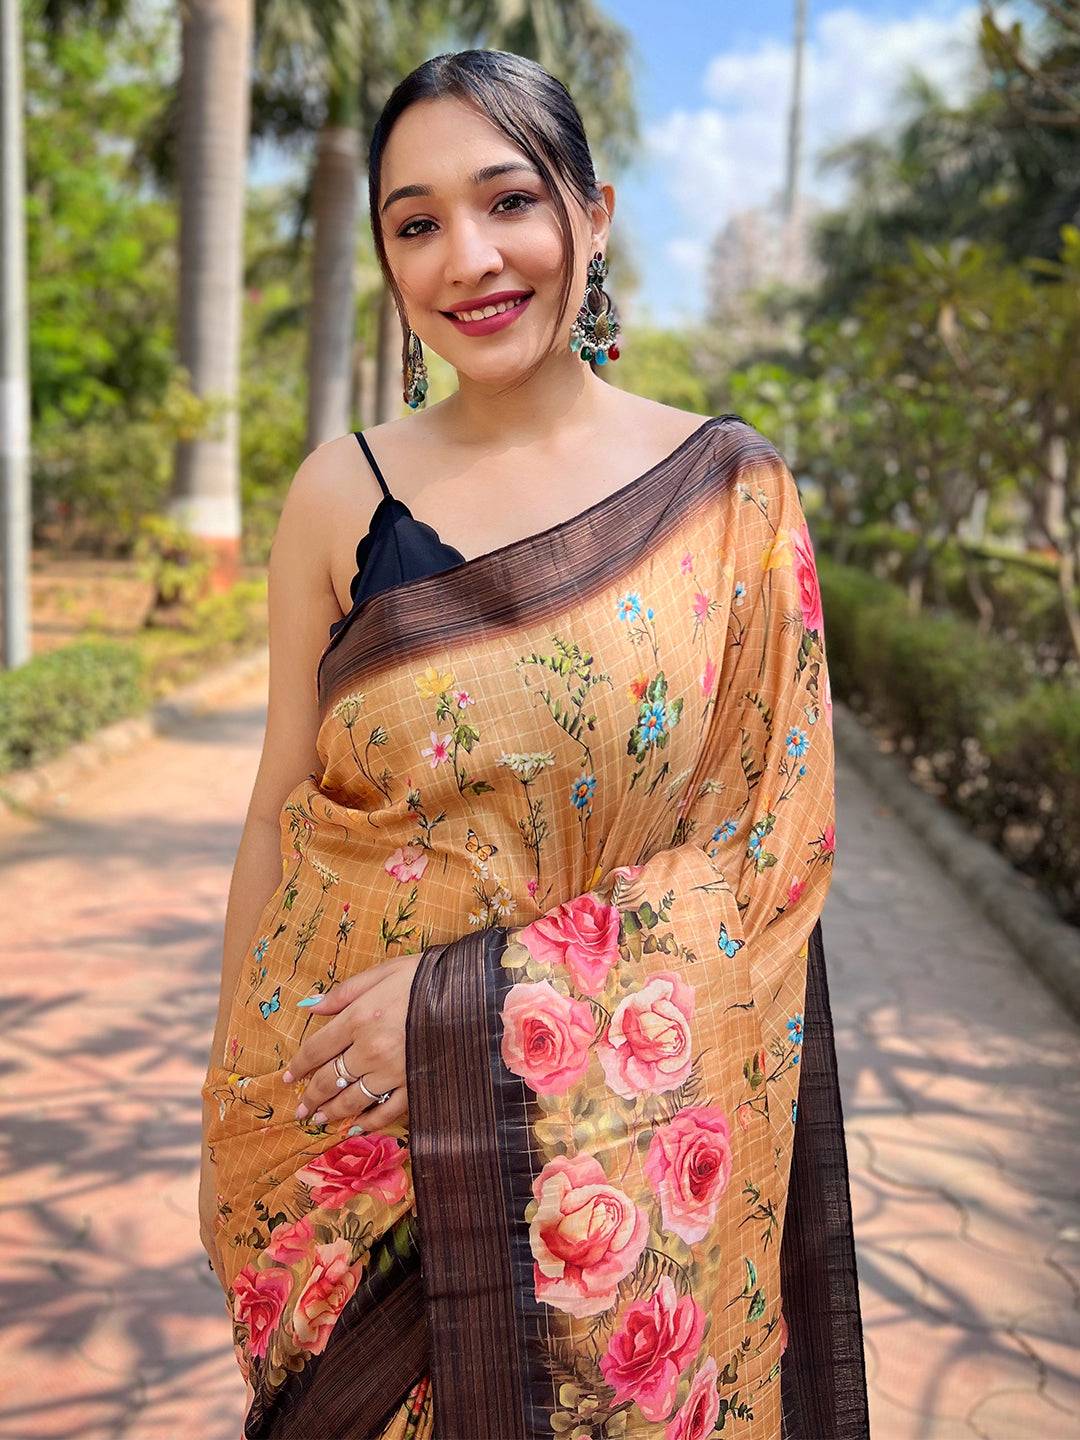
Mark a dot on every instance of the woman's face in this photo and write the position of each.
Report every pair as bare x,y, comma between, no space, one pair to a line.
466,240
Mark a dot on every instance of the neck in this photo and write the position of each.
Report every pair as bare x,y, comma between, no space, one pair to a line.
563,398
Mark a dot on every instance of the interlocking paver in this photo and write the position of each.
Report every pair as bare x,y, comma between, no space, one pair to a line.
959,1071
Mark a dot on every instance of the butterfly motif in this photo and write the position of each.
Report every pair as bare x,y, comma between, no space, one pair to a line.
269,1006
729,946
483,853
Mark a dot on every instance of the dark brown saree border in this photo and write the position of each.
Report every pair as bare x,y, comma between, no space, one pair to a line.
476,1261
470,599
377,1351
822,1373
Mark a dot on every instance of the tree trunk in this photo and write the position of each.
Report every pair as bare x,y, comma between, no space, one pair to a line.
214,118
334,198
15,538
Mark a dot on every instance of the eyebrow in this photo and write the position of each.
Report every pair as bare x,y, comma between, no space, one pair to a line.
478,177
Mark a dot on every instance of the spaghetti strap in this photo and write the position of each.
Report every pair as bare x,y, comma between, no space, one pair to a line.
373,462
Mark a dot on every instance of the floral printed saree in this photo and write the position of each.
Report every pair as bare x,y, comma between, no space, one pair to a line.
589,777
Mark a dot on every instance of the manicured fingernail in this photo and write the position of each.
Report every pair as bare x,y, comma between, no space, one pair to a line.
301,1111
318,1118
356,1129
287,1077
310,1000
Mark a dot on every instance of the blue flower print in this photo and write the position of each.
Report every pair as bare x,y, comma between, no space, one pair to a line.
725,831
794,1110
261,948
798,742
629,607
649,613
740,591
795,1028
581,792
653,721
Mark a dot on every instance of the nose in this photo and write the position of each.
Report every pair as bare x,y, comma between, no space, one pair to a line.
470,255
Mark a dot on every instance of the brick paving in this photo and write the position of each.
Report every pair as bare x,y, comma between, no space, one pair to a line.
959,1071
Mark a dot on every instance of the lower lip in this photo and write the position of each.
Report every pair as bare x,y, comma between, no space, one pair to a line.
492,322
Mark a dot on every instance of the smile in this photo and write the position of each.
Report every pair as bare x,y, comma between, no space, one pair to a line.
490,322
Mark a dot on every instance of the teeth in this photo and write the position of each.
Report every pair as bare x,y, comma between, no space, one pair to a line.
490,309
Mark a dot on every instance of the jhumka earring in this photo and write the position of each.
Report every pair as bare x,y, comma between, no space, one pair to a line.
416,376
593,333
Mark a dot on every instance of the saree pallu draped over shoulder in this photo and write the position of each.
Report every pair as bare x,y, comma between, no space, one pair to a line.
589,778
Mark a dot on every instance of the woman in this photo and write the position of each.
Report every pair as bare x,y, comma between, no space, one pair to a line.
502,1102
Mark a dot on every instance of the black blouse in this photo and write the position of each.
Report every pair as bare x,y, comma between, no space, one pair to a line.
396,548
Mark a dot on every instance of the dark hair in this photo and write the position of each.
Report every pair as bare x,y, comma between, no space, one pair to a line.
533,109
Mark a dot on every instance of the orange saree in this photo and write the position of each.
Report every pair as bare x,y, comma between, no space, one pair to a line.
589,776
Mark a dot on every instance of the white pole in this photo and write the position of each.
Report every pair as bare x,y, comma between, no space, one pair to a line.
14,352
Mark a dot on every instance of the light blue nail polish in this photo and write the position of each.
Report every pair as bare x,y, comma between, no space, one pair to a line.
310,1000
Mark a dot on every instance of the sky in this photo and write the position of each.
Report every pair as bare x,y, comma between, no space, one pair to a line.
713,84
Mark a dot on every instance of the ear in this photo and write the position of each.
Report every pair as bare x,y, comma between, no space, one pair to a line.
602,216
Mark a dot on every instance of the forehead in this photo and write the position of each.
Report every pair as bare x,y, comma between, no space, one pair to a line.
442,143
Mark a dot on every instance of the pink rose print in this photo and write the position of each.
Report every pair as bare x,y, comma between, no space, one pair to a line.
795,890
291,1242
582,934
657,1340
828,840
259,1298
546,1037
700,606
696,1417
360,1165
647,1045
331,1282
686,564
708,677
586,1236
806,577
407,863
688,1164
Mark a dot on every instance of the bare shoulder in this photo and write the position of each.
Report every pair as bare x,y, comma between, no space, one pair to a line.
329,472
666,426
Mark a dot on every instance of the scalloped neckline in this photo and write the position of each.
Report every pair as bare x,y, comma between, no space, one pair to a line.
511,546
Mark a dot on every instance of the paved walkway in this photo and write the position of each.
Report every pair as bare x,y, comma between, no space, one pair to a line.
960,1076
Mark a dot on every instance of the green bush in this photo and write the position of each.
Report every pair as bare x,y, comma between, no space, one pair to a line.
63,696
1001,743
1022,589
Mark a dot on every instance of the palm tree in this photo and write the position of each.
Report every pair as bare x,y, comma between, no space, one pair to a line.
214,112
14,354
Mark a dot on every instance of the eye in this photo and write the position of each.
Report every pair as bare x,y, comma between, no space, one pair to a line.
528,201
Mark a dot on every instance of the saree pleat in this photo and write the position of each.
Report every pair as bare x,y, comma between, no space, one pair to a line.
588,778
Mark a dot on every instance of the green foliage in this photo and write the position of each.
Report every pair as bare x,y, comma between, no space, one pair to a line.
65,695
998,743
176,562
1019,591
660,364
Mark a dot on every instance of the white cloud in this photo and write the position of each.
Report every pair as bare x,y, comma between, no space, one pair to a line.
731,154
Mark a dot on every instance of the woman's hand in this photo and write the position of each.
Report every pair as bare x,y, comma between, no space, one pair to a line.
368,1032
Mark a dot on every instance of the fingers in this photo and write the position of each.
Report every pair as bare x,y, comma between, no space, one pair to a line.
317,1049
323,1086
350,1103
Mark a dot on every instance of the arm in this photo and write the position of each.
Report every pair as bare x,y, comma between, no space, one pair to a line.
301,605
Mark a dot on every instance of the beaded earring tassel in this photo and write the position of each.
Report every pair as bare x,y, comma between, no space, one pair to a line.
416,376
594,331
